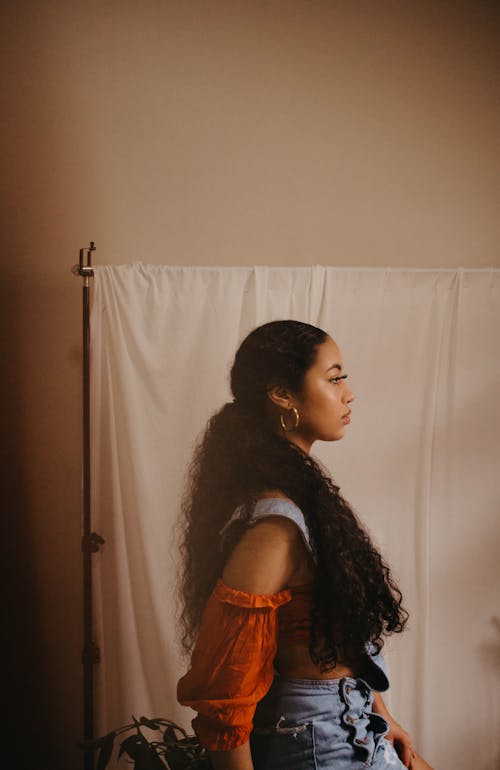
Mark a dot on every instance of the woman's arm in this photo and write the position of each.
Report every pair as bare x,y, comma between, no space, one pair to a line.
234,759
399,737
396,735
266,557
259,568
379,706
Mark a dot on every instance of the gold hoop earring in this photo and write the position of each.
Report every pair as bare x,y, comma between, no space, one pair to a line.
297,419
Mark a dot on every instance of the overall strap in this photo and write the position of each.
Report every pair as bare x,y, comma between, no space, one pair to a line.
272,506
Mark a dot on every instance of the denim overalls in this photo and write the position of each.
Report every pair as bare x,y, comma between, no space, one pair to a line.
311,724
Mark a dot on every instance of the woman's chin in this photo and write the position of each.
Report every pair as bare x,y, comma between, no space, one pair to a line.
337,436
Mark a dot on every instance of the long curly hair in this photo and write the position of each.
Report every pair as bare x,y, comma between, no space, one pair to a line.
238,456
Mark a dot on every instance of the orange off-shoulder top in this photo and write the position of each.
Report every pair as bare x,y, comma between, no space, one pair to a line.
232,661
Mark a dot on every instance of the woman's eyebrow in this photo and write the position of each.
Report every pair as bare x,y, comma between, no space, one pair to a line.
335,366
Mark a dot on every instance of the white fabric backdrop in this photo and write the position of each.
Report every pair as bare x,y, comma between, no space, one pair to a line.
419,463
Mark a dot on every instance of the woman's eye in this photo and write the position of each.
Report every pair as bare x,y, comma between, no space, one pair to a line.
336,380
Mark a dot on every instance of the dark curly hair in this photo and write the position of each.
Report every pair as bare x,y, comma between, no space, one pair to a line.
240,455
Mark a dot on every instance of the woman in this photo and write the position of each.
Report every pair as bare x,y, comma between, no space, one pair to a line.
285,599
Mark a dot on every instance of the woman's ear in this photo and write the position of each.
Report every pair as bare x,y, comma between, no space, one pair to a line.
280,396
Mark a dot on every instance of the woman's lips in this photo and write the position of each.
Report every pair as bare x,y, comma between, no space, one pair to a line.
346,419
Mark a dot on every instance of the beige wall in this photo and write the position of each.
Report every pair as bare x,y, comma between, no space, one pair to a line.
291,133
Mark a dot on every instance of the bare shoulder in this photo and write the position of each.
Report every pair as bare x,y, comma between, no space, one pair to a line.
265,558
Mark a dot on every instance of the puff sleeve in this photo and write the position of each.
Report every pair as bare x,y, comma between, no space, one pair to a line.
231,664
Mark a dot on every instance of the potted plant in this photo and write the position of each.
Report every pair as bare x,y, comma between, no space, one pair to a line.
169,747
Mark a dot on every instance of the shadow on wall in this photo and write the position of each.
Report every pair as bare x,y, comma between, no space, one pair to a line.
22,631
41,495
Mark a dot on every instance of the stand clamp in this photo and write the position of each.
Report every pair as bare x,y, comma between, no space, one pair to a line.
91,543
84,267
91,654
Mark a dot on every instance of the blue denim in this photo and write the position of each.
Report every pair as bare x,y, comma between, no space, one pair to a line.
311,724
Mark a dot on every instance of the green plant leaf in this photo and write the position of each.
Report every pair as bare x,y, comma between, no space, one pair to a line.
135,745
151,723
178,759
170,736
142,752
150,762
106,752
192,741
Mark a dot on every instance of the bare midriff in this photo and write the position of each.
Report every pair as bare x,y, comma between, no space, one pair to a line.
294,662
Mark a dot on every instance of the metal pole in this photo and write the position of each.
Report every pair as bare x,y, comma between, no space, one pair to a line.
90,540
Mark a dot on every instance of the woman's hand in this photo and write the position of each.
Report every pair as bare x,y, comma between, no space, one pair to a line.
401,742
396,735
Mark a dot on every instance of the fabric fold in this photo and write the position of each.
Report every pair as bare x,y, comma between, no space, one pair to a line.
224,593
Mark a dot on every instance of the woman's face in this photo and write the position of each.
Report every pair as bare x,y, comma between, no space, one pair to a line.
324,400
